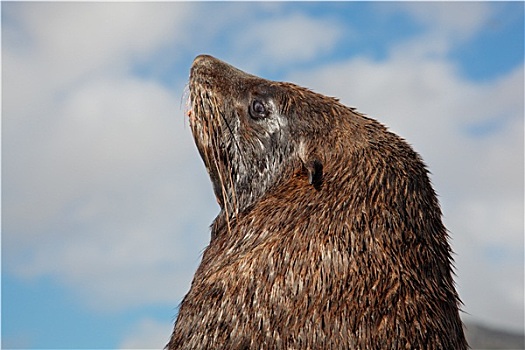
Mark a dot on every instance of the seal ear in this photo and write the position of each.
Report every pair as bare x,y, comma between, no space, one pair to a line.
312,164
314,168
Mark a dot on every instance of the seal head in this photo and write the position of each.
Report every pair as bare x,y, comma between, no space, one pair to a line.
248,132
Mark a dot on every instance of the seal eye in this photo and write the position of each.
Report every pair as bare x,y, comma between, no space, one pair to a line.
258,110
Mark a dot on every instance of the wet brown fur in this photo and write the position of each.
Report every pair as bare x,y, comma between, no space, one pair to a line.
336,243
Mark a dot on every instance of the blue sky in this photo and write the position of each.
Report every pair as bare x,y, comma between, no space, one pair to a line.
105,201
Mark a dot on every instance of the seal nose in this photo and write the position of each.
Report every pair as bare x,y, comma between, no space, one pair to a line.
209,69
203,60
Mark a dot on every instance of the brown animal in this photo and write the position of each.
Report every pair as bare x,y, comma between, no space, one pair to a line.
330,234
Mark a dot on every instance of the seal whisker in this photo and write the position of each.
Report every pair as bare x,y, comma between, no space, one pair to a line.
239,153
220,166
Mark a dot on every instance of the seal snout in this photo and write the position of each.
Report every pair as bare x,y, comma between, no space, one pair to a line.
209,71
203,65
216,73
203,60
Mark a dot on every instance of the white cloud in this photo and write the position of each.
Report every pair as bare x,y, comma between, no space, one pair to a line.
445,25
72,40
114,196
103,180
294,38
148,334
458,20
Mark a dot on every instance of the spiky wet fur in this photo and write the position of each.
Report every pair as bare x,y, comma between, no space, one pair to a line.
359,260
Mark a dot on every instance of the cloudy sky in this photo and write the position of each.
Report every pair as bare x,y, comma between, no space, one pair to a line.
106,203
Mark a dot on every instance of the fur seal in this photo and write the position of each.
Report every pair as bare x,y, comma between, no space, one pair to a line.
329,235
